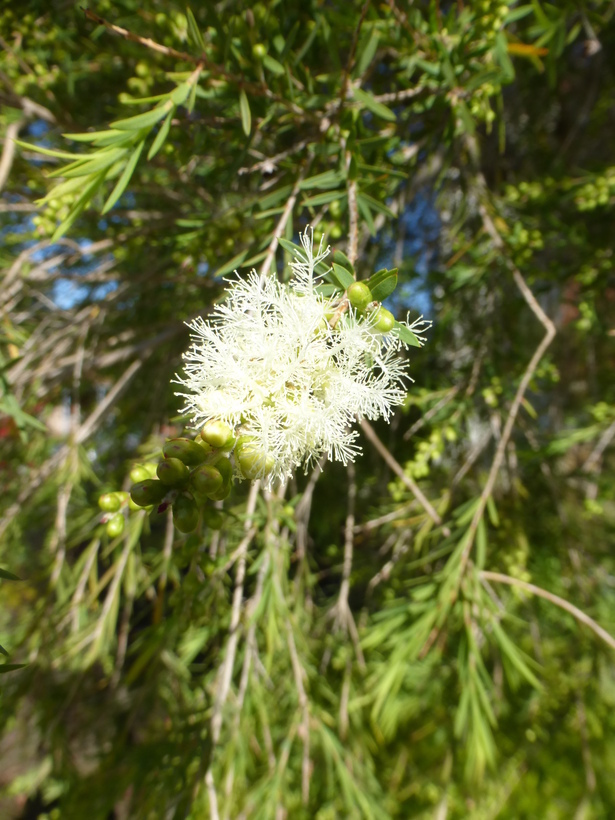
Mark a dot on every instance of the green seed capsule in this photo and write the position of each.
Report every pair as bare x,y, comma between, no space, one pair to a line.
206,479
218,434
213,518
185,450
109,502
115,526
225,468
148,492
139,473
185,514
172,471
359,295
384,321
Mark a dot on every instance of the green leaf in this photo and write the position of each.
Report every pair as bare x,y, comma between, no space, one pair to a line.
367,52
146,120
366,214
272,64
328,289
124,179
324,198
232,264
161,135
514,654
79,205
291,247
194,31
180,95
373,105
481,543
103,160
48,152
3,651
10,667
376,205
344,261
342,276
244,108
404,333
382,283
8,576
328,179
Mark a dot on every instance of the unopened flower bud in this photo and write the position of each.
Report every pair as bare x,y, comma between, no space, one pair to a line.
218,434
172,471
359,295
148,492
185,514
251,459
185,450
115,526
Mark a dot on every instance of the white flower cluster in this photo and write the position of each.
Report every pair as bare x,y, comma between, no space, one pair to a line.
269,364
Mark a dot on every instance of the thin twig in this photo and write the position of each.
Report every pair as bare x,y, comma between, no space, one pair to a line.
399,472
577,613
280,227
225,672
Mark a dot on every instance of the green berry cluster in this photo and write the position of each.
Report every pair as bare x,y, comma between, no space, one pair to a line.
362,300
597,193
191,473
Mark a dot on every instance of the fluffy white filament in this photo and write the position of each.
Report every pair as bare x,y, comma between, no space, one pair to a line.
269,365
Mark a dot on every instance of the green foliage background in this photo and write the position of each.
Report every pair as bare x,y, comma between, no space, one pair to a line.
383,654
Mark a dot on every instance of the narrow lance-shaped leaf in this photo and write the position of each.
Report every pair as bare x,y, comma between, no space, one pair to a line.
244,108
161,135
124,179
194,31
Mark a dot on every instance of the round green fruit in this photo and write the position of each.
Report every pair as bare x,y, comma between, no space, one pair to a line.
185,514
172,471
259,51
109,502
147,492
206,479
185,450
139,473
384,321
115,526
359,296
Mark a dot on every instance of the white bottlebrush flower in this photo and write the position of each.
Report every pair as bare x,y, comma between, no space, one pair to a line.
269,364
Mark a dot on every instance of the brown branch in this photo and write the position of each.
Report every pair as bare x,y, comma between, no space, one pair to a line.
142,41
577,613
399,472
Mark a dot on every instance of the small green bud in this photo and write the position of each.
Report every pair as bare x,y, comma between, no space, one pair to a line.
150,469
185,450
206,479
185,514
148,492
109,502
251,459
359,295
132,506
217,433
213,518
115,526
139,473
384,321
207,447
172,471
